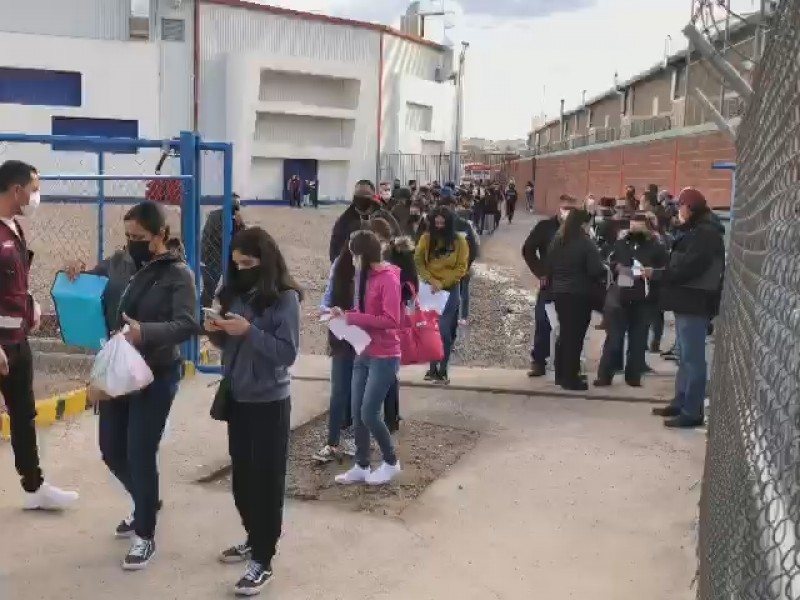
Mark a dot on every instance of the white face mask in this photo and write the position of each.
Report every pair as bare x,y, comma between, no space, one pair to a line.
563,214
30,208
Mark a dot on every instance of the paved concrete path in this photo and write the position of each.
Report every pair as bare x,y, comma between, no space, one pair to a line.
561,498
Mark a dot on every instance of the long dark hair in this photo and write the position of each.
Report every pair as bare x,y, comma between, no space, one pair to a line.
442,241
572,229
274,277
366,245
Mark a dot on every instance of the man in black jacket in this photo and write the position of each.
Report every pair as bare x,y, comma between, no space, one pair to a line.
534,251
365,206
636,291
211,249
691,286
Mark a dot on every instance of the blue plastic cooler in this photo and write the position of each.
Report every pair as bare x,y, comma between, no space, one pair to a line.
79,309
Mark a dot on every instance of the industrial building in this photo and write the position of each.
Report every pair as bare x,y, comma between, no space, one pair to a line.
296,93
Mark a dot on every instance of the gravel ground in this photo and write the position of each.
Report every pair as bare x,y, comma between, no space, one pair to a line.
497,333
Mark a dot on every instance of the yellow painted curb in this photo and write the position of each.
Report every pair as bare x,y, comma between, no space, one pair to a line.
57,408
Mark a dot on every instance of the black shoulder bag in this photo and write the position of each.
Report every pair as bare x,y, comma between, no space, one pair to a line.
223,399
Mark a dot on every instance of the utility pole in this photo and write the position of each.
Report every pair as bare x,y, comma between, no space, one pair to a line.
459,128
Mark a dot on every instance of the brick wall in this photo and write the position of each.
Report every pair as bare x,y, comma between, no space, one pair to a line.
671,164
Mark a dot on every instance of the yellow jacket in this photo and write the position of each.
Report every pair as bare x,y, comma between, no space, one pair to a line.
445,270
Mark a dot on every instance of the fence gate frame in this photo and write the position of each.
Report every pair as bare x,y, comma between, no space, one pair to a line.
189,146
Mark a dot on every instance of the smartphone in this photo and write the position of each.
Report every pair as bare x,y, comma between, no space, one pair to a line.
210,313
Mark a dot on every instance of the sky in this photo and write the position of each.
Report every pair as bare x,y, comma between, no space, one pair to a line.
526,55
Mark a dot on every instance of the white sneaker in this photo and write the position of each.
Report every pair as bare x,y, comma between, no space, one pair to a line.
48,497
355,475
384,474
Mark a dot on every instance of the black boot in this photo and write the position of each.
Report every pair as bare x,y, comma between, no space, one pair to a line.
666,411
537,370
683,422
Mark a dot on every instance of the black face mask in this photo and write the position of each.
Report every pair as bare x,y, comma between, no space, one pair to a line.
415,217
363,203
245,279
139,251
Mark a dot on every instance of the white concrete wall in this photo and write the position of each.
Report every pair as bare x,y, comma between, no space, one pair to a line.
409,76
236,46
93,19
120,81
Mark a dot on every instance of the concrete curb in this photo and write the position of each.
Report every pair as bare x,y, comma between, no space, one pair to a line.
513,391
60,406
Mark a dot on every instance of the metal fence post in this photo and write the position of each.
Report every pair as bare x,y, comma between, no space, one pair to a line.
227,205
101,204
188,160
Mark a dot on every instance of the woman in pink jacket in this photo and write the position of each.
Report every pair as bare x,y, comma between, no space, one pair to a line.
378,312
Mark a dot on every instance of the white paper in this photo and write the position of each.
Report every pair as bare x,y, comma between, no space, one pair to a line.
430,300
355,336
552,315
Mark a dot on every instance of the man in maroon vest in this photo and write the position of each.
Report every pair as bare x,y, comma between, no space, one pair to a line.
20,314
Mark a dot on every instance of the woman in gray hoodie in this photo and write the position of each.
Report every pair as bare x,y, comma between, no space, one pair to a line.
258,329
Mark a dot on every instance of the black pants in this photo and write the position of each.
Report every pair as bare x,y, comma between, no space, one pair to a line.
17,390
656,324
630,321
258,442
511,207
574,315
130,432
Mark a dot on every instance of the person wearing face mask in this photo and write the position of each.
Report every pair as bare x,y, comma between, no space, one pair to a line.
19,315
442,259
572,268
691,287
378,311
637,289
258,330
534,251
211,248
365,206
151,291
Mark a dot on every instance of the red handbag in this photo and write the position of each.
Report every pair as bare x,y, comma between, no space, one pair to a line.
420,339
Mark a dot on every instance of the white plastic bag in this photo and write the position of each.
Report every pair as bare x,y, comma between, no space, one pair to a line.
119,369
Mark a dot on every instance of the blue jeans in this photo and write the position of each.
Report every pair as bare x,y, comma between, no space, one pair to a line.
448,326
341,384
130,432
372,379
690,382
542,333
464,291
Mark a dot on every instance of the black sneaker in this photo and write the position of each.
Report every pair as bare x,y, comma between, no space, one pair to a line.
432,375
683,422
666,411
254,580
235,554
125,529
537,370
443,378
139,555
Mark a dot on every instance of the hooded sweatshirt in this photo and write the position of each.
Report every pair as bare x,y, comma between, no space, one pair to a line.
382,312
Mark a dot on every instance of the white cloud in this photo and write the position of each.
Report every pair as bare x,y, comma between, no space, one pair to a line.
525,55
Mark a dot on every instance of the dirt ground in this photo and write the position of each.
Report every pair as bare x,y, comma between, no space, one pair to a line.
425,451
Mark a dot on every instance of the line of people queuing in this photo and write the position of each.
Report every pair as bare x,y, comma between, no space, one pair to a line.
629,259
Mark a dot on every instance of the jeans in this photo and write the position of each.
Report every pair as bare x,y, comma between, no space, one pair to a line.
464,291
258,443
540,351
630,321
372,378
17,390
574,315
690,381
448,326
391,407
130,432
340,402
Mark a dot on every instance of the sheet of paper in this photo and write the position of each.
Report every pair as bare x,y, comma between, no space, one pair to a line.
355,336
552,315
430,300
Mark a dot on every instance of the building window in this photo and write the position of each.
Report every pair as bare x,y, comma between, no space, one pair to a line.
678,82
173,30
39,87
104,128
419,117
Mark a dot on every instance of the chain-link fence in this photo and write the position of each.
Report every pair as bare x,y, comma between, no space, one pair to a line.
750,507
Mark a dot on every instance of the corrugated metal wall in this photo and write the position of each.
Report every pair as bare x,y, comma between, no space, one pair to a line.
96,19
